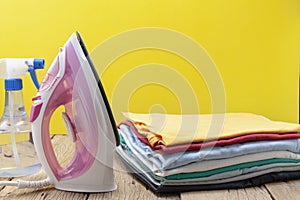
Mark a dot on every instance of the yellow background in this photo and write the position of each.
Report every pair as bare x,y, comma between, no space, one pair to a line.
254,43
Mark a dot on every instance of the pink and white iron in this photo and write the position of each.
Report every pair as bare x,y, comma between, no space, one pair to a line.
72,82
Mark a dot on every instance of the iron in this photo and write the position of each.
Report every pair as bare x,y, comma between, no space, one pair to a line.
72,82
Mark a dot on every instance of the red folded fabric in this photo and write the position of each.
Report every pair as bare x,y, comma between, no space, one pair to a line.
223,142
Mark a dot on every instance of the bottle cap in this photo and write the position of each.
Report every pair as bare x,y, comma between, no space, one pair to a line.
13,84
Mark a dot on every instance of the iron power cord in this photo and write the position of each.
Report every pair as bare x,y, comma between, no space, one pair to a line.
27,184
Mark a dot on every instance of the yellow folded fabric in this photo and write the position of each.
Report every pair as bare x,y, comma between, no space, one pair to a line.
169,129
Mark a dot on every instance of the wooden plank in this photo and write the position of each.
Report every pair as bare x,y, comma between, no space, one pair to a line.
247,193
285,190
212,194
129,187
64,150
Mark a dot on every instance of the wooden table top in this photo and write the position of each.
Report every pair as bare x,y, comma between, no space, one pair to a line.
130,188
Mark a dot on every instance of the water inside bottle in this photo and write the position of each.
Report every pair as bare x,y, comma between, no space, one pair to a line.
28,164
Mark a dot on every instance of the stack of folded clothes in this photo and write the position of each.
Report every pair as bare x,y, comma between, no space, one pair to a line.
176,153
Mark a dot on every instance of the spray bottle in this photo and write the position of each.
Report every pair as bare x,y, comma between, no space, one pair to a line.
17,153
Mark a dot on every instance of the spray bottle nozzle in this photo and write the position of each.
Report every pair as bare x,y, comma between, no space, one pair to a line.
36,64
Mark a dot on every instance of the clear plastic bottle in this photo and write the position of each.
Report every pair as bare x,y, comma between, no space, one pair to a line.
17,152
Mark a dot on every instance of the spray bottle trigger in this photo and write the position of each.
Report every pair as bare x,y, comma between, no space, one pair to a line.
34,78
37,64
68,126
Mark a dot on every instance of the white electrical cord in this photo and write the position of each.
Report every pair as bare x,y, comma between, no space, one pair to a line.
27,184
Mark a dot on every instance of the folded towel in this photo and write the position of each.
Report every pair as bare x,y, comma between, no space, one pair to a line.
168,129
